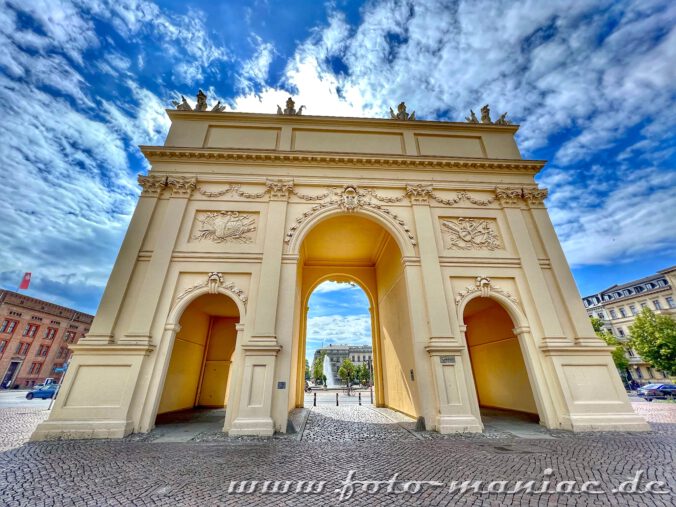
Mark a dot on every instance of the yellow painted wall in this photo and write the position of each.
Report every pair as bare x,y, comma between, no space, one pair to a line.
395,331
497,362
217,364
183,375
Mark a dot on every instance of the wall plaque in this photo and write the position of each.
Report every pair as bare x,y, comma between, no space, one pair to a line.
447,359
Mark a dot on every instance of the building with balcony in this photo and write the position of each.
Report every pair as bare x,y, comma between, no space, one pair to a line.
618,306
358,354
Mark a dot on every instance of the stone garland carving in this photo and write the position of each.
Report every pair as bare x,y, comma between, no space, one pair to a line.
484,285
214,282
471,234
201,104
349,198
486,117
152,185
462,196
225,227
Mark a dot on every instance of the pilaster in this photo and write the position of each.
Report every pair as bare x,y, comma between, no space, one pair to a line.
102,328
151,290
511,199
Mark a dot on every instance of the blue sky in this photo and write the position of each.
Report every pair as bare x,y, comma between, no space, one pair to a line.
83,82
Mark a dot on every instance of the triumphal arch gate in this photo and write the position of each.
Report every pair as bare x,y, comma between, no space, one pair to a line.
243,215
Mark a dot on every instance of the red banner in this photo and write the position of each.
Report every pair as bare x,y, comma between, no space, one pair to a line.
25,282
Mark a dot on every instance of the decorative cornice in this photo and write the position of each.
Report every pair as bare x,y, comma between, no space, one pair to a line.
181,186
214,283
485,286
159,154
151,185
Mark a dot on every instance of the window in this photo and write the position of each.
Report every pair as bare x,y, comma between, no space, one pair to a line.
600,315
36,318
73,326
670,302
633,309
63,352
35,368
43,350
3,345
8,326
55,322
631,353
623,312
16,314
30,330
613,314
22,348
69,336
620,331
656,304
56,366
644,305
638,373
50,333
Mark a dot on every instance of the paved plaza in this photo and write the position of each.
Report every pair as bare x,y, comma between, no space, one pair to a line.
340,446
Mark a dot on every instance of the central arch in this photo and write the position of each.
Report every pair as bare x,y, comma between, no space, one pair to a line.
360,248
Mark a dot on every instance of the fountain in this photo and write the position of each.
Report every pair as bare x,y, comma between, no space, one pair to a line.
328,372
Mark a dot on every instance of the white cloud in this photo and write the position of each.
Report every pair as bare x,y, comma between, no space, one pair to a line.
350,329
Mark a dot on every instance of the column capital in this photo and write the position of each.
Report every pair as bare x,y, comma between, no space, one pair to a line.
535,197
181,186
418,193
151,185
509,196
279,188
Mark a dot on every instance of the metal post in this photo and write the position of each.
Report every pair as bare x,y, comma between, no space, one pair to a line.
336,399
314,403
359,399
371,395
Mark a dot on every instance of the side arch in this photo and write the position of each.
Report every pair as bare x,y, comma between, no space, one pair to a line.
401,233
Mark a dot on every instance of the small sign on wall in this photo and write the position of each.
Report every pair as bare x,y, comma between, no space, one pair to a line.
447,359
281,385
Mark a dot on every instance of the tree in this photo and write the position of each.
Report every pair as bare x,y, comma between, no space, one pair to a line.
654,338
346,372
363,373
318,368
619,352
307,369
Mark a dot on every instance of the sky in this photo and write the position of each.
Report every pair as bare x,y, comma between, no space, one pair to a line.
84,82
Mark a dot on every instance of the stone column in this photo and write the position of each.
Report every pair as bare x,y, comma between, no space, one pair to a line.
511,200
254,411
584,333
438,314
101,331
151,290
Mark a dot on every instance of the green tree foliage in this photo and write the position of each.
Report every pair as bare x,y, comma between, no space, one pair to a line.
619,352
318,368
307,369
347,371
363,374
654,338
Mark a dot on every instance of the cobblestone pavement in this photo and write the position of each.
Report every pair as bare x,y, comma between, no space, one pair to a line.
138,472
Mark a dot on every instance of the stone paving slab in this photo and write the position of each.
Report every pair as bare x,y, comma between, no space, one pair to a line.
133,472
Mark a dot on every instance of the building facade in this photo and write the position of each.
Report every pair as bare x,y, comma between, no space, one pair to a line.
35,337
243,215
618,306
357,354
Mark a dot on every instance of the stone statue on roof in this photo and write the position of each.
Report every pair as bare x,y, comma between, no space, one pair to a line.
290,109
401,113
201,104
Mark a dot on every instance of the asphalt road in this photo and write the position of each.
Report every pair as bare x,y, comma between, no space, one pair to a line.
16,398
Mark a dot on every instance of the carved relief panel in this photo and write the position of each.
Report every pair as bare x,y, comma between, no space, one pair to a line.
236,227
471,233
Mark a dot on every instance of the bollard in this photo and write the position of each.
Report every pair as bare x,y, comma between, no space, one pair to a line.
372,396
359,399
314,403
336,399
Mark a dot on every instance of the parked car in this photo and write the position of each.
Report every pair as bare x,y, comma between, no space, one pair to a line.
657,391
44,392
